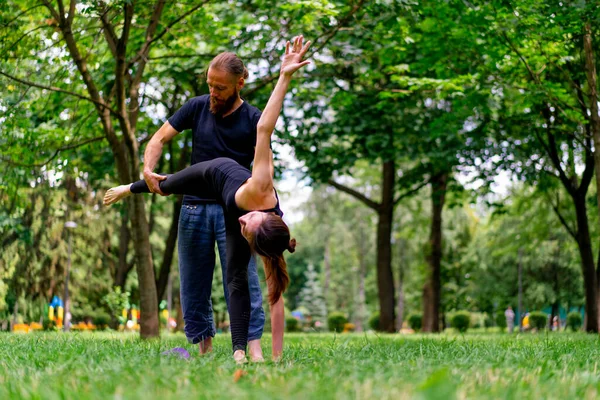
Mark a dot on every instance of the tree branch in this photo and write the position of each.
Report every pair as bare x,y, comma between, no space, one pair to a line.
341,24
328,35
52,10
121,67
588,172
412,191
359,196
59,90
67,31
560,217
574,84
14,105
109,33
71,11
61,9
143,51
532,74
184,56
553,153
9,239
56,153
22,13
535,76
22,37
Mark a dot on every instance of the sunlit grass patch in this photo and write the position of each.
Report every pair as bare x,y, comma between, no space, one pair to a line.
362,366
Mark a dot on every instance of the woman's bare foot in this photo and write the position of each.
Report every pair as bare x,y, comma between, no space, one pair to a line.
117,193
240,357
255,351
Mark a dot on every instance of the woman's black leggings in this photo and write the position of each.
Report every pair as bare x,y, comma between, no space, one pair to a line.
188,181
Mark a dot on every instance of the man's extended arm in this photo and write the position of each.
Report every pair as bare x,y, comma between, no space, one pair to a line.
153,153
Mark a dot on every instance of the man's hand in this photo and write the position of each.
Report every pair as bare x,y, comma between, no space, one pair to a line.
152,181
292,59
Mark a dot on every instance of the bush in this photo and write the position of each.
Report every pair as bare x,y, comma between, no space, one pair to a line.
316,326
374,322
461,320
574,320
292,325
538,320
101,320
116,300
336,321
477,320
79,314
415,321
500,319
487,321
49,325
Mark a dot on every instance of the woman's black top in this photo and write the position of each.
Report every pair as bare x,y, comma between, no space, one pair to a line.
227,177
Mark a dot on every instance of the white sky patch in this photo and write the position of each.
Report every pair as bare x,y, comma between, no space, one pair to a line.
502,182
293,191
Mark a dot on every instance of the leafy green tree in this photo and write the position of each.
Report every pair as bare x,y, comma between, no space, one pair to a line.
542,109
99,66
398,100
549,260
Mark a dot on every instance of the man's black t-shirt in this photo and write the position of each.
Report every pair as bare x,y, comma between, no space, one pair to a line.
214,136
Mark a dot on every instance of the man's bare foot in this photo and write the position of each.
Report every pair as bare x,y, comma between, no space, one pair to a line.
240,357
205,346
117,193
255,351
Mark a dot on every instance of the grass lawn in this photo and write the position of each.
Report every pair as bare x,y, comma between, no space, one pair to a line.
315,366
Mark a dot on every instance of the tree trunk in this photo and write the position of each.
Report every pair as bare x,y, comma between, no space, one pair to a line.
149,322
400,304
327,268
13,321
179,319
385,215
362,272
385,277
590,69
587,264
125,150
362,309
124,238
556,305
433,287
165,268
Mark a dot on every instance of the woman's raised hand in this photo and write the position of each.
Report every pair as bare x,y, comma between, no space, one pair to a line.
292,59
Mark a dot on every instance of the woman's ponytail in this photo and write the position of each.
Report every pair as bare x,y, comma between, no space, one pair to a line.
277,277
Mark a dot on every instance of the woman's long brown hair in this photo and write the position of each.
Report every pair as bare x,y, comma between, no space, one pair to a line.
270,240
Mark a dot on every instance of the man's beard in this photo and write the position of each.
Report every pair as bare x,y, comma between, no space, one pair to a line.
222,108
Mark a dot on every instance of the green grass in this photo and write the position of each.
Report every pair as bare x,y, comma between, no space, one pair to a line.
326,366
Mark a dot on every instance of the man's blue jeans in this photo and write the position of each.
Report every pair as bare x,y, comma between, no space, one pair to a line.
200,225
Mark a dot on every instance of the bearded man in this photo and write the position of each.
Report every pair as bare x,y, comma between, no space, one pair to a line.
223,125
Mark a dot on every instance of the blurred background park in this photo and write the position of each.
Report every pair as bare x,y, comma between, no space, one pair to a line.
437,161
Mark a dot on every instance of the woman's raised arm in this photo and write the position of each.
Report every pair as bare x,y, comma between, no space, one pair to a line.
262,175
